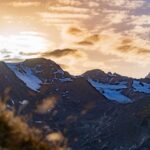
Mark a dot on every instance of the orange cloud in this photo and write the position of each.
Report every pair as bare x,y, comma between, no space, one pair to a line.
23,4
74,31
93,38
85,43
61,53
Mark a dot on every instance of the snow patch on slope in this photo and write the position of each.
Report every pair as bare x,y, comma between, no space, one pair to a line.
148,76
112,92
66,80
26,75
141,87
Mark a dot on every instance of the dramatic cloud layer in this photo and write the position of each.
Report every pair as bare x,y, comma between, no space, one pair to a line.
62,53
113,35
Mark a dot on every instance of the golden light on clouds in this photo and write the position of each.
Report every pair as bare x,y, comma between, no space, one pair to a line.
23,42
103,34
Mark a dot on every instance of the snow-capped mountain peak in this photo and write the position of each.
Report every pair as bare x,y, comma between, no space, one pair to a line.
148,76
27,75
37,72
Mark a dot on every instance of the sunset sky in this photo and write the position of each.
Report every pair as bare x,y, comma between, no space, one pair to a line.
80,35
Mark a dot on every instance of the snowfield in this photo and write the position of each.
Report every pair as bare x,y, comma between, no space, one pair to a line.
26,75
141,87
112,92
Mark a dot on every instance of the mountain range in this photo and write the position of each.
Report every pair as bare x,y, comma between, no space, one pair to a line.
94,111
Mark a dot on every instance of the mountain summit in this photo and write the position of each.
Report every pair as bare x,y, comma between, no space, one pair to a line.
41,75
148,76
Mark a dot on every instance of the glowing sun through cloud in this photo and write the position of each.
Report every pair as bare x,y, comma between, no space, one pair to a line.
23,43
26,43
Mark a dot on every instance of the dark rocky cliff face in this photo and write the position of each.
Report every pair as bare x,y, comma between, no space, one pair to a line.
95,111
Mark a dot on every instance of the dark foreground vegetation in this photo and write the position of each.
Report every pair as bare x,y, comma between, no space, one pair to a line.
16,135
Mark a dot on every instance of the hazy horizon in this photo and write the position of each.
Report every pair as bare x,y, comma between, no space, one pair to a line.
80,35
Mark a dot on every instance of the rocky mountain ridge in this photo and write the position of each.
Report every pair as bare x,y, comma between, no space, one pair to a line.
94,110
